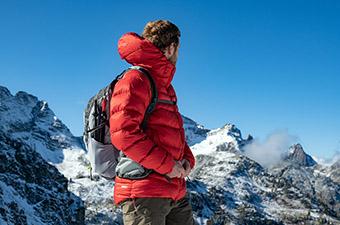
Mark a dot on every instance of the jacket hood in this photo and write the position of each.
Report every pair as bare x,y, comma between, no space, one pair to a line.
139,51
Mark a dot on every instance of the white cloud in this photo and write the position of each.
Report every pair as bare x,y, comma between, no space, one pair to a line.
270,151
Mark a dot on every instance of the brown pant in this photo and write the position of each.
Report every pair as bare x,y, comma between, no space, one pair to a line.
157,211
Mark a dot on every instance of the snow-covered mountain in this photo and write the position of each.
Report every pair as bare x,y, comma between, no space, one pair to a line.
226,187
29,120
32,139
227,137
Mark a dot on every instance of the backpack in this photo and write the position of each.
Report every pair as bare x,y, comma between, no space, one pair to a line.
106,160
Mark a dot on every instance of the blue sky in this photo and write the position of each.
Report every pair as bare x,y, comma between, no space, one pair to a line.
262,65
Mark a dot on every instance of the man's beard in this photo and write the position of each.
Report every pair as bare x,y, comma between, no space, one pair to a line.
173,59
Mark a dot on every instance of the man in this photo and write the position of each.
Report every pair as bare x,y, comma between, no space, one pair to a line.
160,198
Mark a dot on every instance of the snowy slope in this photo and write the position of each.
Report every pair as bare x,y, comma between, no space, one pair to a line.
31,190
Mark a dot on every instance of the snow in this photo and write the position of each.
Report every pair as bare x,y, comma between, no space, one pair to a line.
97,193
10,195
214,138
74,163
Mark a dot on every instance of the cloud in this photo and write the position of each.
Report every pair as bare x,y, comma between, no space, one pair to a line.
328,161
272,149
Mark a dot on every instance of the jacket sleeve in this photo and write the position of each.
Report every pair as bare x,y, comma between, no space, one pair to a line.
129,101
189,156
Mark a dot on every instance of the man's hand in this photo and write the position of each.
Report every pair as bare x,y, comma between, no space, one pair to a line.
186,166
177,170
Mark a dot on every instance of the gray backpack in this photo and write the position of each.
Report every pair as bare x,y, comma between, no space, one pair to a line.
106,160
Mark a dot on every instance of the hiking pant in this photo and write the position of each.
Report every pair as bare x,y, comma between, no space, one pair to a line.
157,211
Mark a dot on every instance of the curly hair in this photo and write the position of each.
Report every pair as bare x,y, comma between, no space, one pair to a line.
161,33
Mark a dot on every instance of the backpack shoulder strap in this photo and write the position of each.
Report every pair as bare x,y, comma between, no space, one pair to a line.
154,93
154,97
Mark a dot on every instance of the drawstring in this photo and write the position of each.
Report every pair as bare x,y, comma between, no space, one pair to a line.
134,203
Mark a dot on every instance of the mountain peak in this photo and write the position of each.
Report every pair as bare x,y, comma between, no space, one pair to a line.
4,92
194,132
26,118
296,149
225,139
230,130
229,126
297,154
25,98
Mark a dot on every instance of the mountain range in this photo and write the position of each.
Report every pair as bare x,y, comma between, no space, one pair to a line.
45,175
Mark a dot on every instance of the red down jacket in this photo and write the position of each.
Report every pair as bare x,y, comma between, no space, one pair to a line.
163,141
